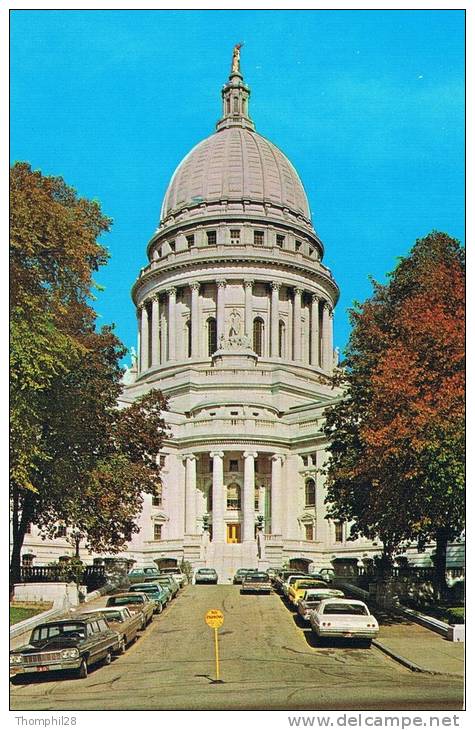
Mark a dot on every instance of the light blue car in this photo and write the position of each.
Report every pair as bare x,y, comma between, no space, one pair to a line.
155,592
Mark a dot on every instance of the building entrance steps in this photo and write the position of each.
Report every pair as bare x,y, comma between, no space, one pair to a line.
226,558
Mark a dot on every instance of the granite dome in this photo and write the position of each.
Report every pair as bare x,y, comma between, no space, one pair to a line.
235,163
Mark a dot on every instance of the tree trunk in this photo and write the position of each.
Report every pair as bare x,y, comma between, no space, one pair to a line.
440,561
20,520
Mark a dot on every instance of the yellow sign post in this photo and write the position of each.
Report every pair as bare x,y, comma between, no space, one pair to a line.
215,619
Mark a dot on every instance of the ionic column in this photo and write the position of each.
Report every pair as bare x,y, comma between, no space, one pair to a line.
274,320
190,494
155,331
327,338
171,323
248,308
218,496
276,495
297,324
221,289
143,338
163,337
249,496
195,333
314,330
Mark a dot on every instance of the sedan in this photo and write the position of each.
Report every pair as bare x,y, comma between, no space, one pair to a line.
136,603
137,575
240,573
126,624
298,588
206,576
155,592
256,583
168,581
343,618
311,599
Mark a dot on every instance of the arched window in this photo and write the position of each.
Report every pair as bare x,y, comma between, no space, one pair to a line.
234,496
281,339
310,493
188,336
258,336
212,337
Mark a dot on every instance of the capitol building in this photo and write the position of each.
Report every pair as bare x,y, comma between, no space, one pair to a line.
235,315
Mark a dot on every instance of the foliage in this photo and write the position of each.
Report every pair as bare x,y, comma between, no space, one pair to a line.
396,466
76,457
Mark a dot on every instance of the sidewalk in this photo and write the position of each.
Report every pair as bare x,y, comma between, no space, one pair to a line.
421,649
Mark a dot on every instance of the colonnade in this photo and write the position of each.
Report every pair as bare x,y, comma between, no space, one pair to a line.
219,495
158,324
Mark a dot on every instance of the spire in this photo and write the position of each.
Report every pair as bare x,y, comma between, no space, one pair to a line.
235,94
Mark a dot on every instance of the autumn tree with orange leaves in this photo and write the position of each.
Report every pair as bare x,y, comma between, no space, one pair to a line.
77,459
396,465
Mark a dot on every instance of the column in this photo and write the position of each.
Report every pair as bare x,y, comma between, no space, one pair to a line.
155,331
248,309
327,339
276,495
218,496
221,291
190,494
274,318
314,333
163,336
143,337
195,333
249,496
171,323
297,324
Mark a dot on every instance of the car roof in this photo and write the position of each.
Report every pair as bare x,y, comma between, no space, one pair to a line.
336,599
103,609
258,572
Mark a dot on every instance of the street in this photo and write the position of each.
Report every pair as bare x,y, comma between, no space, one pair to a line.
267,662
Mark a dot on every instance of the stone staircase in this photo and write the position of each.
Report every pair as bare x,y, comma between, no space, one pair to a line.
226,558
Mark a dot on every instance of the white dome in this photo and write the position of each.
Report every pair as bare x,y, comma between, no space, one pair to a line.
235,163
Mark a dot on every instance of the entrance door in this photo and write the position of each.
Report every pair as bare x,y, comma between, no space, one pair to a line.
234,532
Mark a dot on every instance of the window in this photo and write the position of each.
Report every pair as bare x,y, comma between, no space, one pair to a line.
228,105
188,336
234,413
236,105
309,532
258,238
338,531
233,465
61,531
27,560
162,460
209,502
211,235
234,496
281,339
172,246
28,529
279,240
235,236
157,499
258,336
256,466
157,531
210,466
310,493
190,240
212,336
298,245
256,498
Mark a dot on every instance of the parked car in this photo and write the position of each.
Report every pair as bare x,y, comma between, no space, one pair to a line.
299,586
283,577
136,603
312,598
155,592
138,575
205,575
177,574
73,643
343,618
326,574
240,573
290,580
168,581
256,583
126,624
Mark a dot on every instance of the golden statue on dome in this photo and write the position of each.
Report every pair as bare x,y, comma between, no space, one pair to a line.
235,68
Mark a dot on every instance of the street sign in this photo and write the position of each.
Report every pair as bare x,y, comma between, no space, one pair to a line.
214,618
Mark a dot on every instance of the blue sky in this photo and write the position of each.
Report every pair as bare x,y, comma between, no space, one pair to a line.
368,106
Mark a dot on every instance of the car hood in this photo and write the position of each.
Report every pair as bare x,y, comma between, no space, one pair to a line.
54,644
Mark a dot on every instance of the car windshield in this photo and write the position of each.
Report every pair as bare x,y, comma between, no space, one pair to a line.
257,578
316,596
124,600
352,609
169,571
72,630
305,584
208,571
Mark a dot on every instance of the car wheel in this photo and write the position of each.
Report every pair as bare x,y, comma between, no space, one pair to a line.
82,671
122,646
107,659
143,625
160,608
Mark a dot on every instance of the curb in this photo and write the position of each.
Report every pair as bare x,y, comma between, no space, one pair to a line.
410,665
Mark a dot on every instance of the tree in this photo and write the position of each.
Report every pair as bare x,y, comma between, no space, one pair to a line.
396,466
77,459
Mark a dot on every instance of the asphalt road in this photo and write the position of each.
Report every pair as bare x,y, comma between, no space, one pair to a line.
267,662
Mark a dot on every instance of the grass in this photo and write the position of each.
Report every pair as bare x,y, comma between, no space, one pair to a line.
449,614
21,611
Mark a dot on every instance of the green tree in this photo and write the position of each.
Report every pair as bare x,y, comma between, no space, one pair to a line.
396,466
76,457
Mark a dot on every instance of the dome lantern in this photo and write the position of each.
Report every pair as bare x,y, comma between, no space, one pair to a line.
235,94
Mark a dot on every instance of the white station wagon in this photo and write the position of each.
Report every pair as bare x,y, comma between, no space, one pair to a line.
344,618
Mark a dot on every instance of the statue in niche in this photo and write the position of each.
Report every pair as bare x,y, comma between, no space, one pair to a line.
235,324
